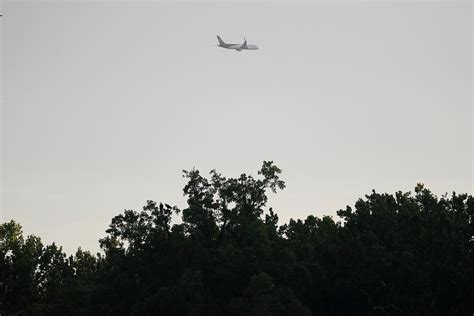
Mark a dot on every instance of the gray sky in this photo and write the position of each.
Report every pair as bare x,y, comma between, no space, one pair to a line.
104,103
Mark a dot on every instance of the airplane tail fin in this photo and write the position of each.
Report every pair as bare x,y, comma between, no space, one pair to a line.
221,42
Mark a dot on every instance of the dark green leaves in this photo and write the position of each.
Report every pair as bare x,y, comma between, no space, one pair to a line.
398,254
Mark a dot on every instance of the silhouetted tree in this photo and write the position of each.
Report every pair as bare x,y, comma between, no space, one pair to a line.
401,254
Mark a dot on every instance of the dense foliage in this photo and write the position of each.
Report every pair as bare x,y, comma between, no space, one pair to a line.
401,254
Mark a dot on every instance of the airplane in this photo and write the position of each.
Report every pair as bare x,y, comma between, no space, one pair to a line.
237,47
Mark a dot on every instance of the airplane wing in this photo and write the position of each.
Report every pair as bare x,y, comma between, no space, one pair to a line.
244,45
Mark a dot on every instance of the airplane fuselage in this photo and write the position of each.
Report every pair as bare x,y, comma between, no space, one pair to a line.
239,47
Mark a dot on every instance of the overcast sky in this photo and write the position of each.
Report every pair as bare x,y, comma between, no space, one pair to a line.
104,103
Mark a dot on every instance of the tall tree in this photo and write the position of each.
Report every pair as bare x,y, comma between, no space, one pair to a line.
391,254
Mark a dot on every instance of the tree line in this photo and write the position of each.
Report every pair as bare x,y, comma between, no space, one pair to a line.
392,254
